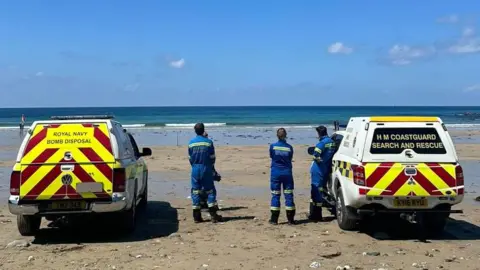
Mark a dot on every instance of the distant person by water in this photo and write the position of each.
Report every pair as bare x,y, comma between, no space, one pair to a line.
22,122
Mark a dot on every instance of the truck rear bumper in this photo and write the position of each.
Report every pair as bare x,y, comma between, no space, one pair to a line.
118,203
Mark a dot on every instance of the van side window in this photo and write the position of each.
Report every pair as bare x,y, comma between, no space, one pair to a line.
134,145
396,140
337,138
123,142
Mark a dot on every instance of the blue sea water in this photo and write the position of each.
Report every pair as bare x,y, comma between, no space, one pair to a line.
241,116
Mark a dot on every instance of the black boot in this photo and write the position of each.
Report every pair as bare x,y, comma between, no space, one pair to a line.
291,217
197,216
315,213
213,213
203,204
274,217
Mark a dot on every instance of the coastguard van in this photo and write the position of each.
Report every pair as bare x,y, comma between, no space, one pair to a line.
72,165
400,165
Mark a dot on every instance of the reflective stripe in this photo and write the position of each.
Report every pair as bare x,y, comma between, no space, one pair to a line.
329,145
316,204
209,191
276,192
318,150
289,207
199,144
273,208
196,191
212,204
281,148
196,207
288,191
320,189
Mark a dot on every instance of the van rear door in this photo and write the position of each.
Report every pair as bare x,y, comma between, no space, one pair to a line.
410,158
70,160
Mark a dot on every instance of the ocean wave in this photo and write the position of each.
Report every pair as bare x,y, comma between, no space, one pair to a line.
193,124
241,125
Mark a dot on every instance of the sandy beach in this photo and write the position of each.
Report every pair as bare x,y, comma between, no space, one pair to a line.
167,238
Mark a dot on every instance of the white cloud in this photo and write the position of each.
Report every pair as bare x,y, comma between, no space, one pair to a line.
467,43
339,47
449,19
178,64
404,55
472,88
39,74
131,87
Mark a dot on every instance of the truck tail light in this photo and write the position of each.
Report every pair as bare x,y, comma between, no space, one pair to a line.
119,180
358,175
15,183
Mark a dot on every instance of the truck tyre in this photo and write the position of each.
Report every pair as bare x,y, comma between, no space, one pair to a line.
144,201
345,218
128,218
28,225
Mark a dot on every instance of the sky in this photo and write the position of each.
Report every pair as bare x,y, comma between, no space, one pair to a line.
59,53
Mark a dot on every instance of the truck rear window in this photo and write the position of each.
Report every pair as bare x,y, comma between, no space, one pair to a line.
396,140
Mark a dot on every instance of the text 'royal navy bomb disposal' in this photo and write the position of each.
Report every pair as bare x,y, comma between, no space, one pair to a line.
70,141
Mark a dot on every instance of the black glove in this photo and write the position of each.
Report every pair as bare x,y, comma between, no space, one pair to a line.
216,176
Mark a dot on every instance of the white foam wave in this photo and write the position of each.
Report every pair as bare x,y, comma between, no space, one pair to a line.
224,125
192,125
134,126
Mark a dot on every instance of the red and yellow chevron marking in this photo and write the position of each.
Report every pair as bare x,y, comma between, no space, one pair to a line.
389,179
92,161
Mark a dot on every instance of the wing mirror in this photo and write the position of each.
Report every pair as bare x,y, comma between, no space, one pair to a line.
146,152
310,150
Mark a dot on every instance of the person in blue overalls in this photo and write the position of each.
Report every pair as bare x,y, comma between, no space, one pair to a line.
281,154
319,172
201,154
216,177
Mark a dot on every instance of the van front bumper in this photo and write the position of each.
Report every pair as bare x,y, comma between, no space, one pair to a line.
118,203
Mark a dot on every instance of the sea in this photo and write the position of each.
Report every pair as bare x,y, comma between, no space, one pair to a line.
260,116
234,126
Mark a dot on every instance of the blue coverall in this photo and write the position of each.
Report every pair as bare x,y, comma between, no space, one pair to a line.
321,167
281,154
201,154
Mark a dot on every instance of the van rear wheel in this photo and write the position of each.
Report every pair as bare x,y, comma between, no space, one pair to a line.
345,218
28,225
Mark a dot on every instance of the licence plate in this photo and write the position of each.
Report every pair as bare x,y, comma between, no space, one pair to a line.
68,205
413,203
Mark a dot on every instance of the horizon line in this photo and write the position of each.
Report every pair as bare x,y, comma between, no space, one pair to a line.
240,106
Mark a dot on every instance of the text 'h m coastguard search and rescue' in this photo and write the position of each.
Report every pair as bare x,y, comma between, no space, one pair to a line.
396,140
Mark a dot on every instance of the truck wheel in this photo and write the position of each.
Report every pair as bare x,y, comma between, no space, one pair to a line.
345,218
128,218
144,201
28,225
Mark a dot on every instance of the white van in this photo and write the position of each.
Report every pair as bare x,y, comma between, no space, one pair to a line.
402,165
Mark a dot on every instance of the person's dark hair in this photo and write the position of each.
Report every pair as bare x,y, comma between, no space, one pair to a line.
281,134
322,131
199,128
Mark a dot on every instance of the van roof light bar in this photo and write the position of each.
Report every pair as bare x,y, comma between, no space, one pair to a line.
82,117
404,119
